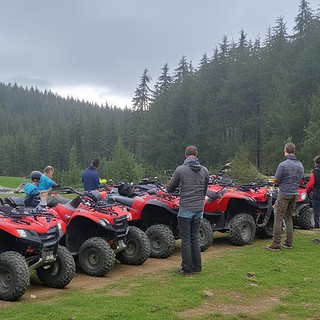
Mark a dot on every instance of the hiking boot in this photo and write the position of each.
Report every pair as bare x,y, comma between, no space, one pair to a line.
272,247
196,270
183,273
287,246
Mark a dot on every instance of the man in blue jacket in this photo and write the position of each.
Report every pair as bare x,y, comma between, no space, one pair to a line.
192,179
90,176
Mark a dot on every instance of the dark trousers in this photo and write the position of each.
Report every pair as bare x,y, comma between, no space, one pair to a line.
316,212
190,248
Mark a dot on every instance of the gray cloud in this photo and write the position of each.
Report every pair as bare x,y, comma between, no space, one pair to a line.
108,43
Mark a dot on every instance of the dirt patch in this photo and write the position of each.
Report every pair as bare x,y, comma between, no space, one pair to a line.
239,305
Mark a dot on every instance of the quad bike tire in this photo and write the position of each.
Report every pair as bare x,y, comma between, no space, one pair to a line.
96,258
267,231
137,249
242,229
205,235
14,275
59,273
303,218
162,242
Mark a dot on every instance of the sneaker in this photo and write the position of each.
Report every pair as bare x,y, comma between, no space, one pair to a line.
271,247
317,240
287,246
183,273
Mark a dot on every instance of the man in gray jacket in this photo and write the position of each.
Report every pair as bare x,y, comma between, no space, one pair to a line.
288,176
192,179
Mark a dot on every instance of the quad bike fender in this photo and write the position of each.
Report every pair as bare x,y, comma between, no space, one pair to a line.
28,236
95,217
266,210
157,212
162,205
233,197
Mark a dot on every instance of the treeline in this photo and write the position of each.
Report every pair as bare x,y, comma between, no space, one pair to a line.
249,94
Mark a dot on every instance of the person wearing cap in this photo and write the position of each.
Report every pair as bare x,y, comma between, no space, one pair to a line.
32,190
90,176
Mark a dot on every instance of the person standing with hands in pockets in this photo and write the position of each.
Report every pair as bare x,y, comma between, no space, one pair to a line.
192,179
288,176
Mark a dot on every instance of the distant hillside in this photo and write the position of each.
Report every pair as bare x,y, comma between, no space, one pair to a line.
248,94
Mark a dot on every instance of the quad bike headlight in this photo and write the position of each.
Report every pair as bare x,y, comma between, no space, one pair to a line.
304,196
60,230
104,222
22,233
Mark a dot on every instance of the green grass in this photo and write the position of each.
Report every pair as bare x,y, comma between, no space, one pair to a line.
237,283
10,182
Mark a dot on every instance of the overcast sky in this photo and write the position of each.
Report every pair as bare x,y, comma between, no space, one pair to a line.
97,49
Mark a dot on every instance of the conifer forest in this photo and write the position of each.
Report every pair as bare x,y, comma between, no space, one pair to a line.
255,94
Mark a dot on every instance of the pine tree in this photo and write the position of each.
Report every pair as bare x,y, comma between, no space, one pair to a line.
164,81
182,71
303,19
143,93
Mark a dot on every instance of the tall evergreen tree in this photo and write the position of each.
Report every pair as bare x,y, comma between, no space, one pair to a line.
164,81
182,71
303,19
143,94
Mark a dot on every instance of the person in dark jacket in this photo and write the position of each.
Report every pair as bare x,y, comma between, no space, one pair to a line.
90,176
192,179
288,176
313,186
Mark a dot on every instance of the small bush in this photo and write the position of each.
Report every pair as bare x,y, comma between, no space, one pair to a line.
243,170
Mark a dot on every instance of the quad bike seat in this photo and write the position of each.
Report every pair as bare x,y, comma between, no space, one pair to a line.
212,195
52,201
122,199
14,202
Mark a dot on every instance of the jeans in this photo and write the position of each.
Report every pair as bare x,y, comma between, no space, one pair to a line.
284,209
189,234
316,212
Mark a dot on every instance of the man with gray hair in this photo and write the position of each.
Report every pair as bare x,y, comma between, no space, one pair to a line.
192,179
288,176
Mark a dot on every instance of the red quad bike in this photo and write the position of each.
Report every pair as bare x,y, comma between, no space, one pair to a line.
155,212
29,240
98,233
303,215
243,212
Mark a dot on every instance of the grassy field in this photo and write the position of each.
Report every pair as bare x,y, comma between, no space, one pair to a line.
10,182
236,283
